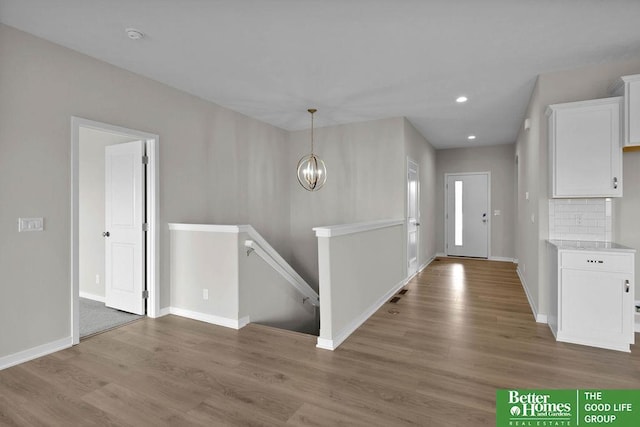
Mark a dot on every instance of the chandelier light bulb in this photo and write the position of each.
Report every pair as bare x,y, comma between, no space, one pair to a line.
312,172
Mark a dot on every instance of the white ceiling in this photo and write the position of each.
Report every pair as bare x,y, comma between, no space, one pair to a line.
354,60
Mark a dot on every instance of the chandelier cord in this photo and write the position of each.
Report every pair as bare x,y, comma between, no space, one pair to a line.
311,110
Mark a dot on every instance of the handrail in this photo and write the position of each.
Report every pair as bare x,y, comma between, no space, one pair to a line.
358,227
296,282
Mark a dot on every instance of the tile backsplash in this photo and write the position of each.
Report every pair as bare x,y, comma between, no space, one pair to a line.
580,219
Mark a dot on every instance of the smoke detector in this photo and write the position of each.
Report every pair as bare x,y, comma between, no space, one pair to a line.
134,34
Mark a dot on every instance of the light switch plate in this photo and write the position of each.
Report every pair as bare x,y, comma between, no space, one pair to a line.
30,224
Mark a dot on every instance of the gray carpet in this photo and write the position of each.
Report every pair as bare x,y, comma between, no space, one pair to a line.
96,317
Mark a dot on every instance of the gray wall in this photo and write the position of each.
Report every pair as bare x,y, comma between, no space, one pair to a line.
248,176
626,211
366,180
529,171
420,151
91,207
531,148
500,161
214,164
358,272
365,171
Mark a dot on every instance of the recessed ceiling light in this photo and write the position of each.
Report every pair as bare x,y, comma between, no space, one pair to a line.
461,99
134,34
471,137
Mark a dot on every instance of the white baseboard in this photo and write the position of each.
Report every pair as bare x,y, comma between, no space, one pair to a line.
325,344
35,352
209,318
422,267
502,259
328,344
92,296
332,344
440,254
540,318
164,311
425,265
243,321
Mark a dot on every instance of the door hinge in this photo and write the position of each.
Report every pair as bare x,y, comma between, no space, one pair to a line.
145,160
145,294
145,226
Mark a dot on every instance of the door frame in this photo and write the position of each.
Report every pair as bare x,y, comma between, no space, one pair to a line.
417,167
446,204
152,200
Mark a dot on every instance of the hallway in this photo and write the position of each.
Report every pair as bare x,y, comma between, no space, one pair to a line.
435,357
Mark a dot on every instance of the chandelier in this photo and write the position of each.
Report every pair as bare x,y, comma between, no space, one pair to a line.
312,173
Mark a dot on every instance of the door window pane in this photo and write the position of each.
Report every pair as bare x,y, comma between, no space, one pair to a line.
458,213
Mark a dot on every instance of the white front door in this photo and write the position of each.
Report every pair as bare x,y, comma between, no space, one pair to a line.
413,216
467,215
124,235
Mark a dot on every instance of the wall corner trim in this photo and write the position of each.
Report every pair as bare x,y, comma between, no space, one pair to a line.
35,352
539,317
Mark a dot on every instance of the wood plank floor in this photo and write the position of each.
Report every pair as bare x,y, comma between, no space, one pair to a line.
434,358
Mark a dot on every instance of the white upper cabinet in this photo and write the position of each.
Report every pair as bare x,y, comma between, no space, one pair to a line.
629,88
584,148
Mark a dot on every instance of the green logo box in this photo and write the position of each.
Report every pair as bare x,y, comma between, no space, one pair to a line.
547,408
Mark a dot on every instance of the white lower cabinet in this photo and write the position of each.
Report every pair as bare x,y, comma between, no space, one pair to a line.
594,297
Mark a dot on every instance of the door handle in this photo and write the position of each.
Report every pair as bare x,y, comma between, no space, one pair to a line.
106,234
626,286
615,183
417,224
484,217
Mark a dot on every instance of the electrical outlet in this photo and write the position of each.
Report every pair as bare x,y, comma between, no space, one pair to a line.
578,219
205,294
30,224
97,279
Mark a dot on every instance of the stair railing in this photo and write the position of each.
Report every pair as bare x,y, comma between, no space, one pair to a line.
281,266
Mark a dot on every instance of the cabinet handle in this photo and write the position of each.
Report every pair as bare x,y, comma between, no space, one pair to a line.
626,286
615,183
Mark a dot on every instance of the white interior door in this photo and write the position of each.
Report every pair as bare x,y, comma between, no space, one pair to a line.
124,235
413,216
467,215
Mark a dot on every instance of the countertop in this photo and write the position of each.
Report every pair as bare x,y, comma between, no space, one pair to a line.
598,246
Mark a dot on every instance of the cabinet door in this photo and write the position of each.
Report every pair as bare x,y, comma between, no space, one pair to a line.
596,305
586,157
